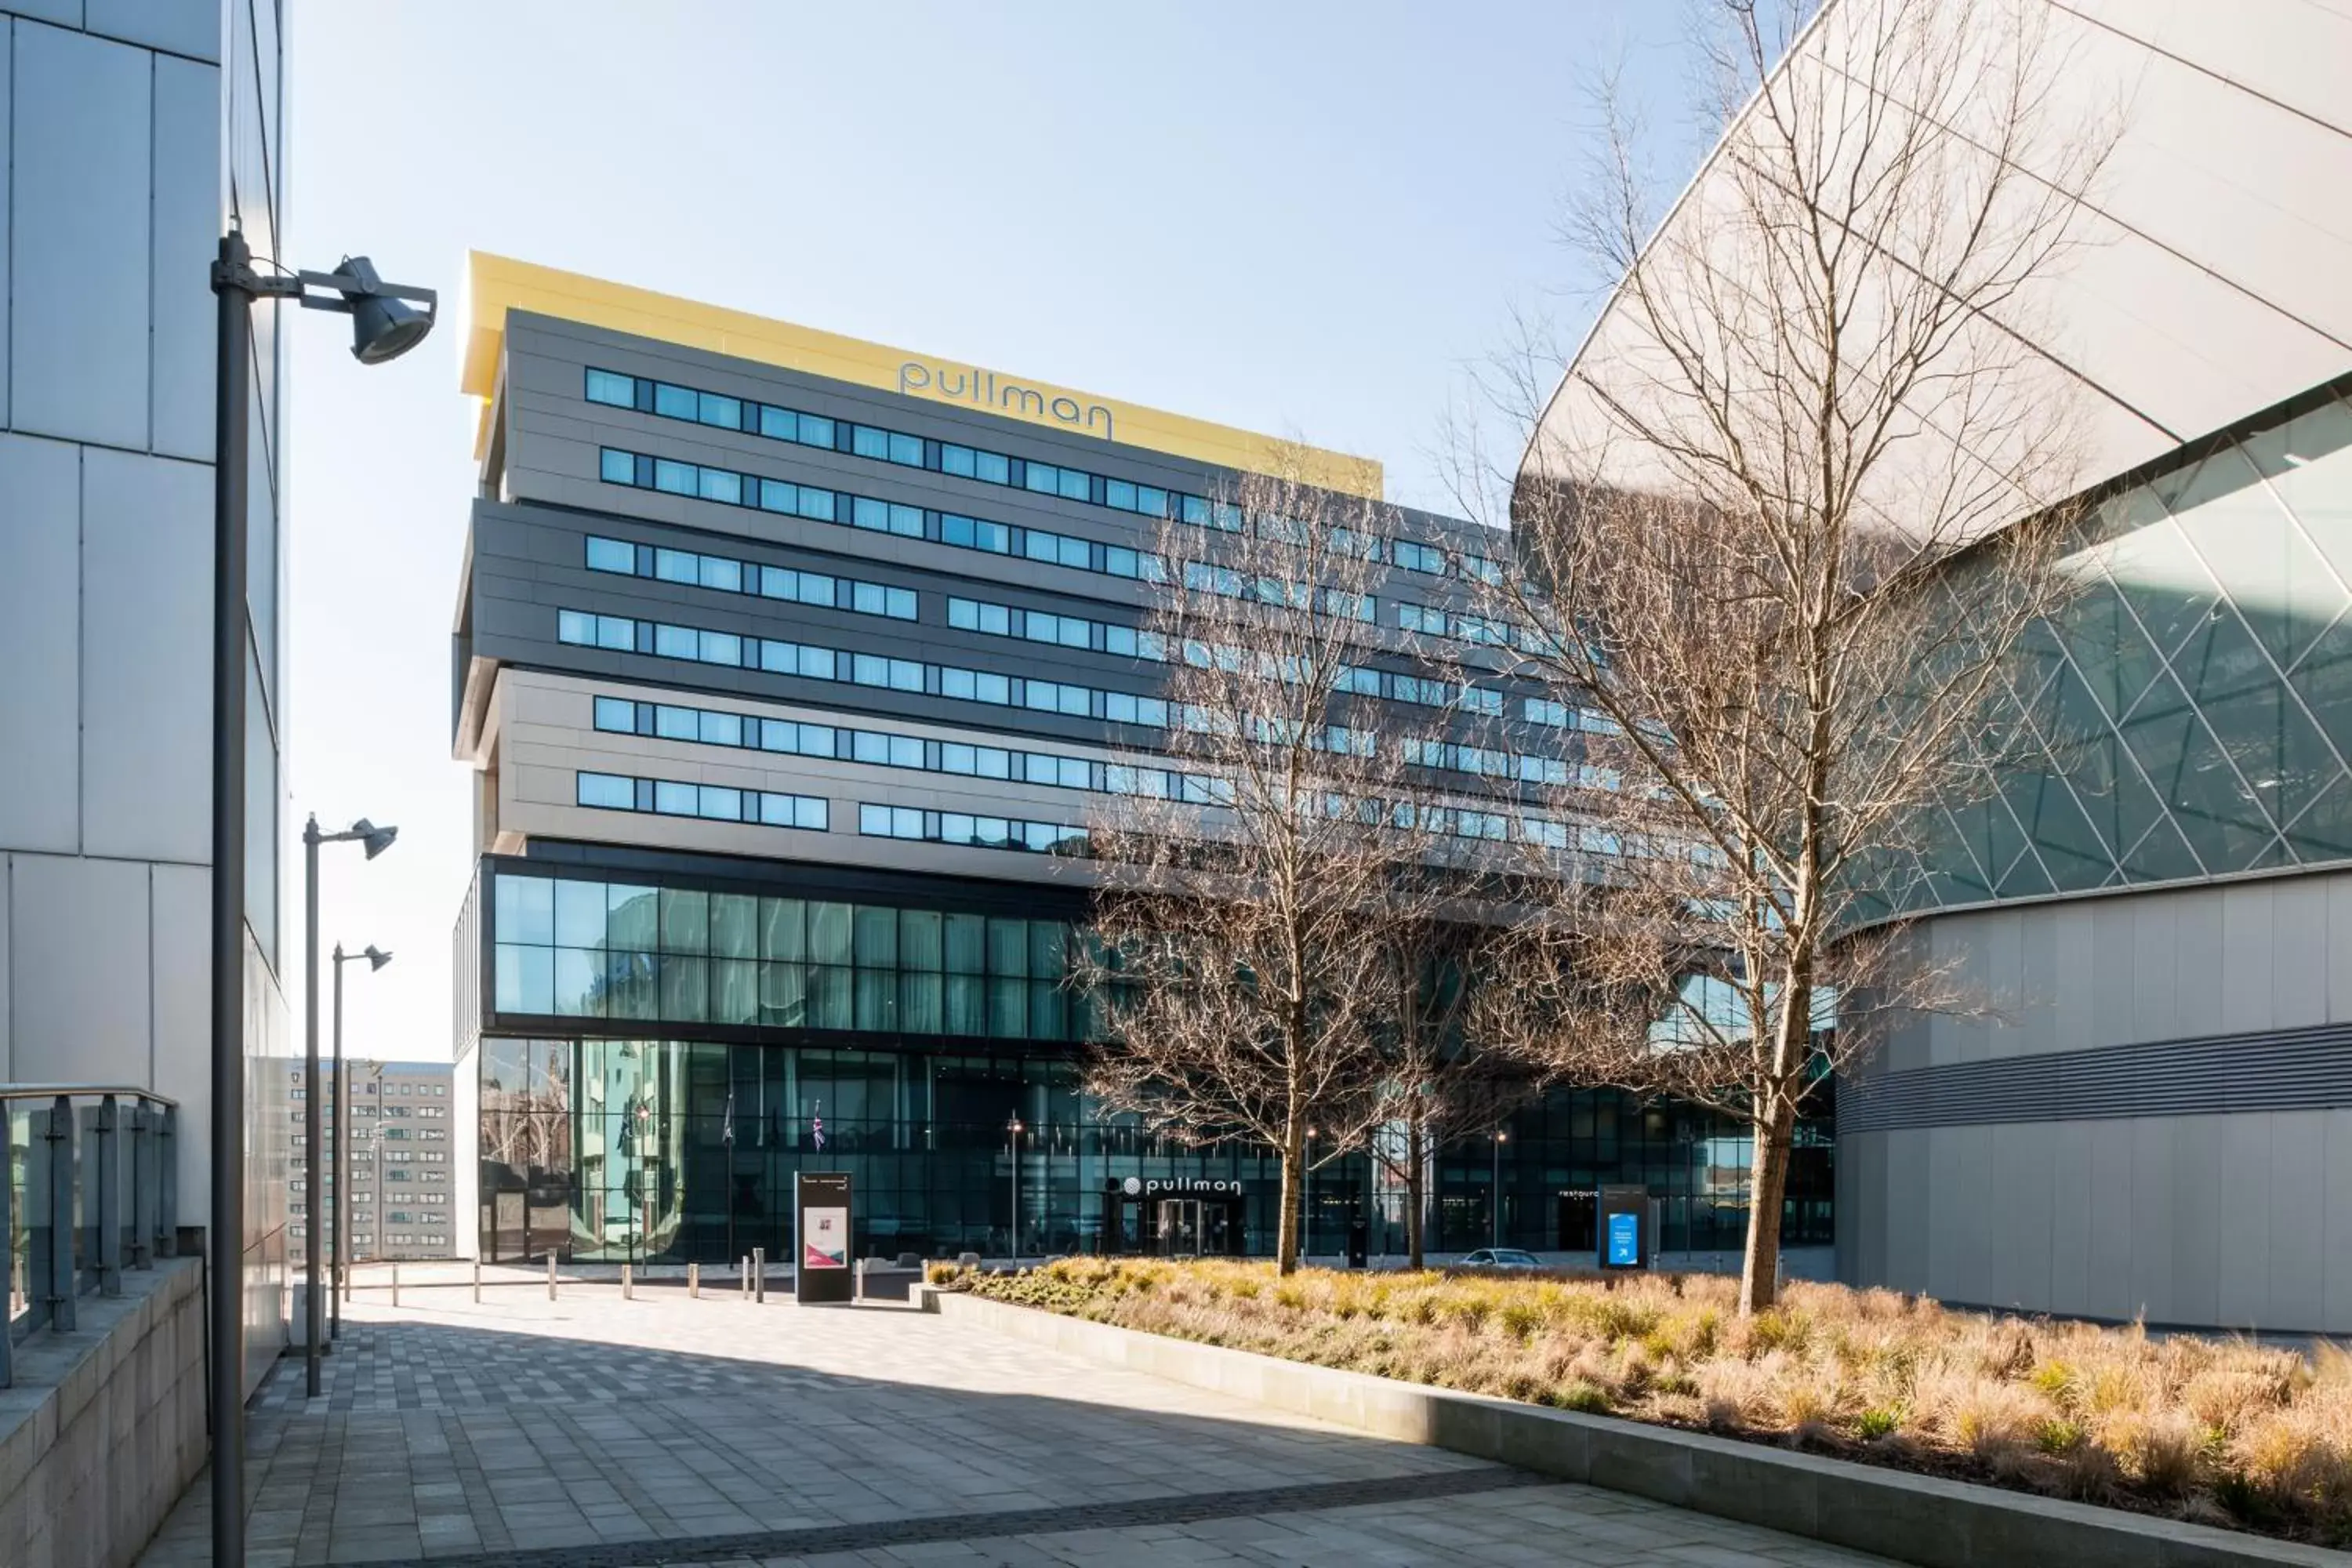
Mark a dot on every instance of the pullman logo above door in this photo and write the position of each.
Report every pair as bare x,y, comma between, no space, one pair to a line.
1179,1187
982,389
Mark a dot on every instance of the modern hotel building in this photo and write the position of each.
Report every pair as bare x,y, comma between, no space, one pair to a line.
2152,1113
787,665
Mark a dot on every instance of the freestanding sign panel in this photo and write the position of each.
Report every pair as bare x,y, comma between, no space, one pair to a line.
824,1213
1625,1239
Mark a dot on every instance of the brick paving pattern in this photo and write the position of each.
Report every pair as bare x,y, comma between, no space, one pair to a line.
522,1433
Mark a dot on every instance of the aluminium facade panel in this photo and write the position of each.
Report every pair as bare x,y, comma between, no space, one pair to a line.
78,345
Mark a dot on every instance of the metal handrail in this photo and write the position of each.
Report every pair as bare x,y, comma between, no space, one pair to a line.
84,1090
100,1193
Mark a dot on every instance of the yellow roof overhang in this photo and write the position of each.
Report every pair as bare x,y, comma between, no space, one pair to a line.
496,284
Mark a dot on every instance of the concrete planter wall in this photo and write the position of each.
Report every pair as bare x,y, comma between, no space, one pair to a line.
1910,1518
105,1427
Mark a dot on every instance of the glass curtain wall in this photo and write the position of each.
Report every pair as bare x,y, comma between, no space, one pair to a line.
628,1150
2191,713
580,948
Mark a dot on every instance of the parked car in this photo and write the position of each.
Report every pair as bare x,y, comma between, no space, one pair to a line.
1499,1258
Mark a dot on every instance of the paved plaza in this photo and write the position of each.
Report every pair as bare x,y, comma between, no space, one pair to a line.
593,1431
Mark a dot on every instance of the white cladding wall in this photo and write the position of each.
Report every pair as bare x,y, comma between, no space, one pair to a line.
120,166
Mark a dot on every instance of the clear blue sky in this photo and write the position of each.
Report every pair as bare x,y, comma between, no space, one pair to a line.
1303,219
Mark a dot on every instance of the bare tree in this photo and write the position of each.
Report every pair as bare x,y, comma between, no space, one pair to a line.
1761,576
1253,875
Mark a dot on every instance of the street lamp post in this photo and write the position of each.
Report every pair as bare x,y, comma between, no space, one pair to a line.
376,840
1013,1134
1501,1138
339,1282
384,324
1307,1202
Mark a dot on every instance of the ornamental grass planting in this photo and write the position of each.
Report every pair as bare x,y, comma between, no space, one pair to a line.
2225,1431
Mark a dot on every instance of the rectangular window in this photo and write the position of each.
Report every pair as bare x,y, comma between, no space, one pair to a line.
722,485
907,450
677,478
605,386
726,412
956,460
610,791
867,442
675,402
611,555
818,505
617,714
616,467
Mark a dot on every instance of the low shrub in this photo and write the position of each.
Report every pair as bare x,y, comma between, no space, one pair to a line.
2223,1430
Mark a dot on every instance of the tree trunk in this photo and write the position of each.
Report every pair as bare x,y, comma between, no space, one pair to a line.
1285,1246
1416,1179
1759,1268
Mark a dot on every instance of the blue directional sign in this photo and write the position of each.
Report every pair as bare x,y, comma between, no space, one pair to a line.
1624,1241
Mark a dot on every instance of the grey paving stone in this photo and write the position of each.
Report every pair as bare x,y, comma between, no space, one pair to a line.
522,1434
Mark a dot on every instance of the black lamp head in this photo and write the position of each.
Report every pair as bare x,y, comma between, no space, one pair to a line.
377,958
383,327
374,839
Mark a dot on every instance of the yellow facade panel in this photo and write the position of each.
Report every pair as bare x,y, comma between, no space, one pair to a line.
496,284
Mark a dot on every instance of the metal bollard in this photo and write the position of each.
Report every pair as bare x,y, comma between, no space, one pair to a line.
477,1281
694,1281
759,1274
550,1276
628,1285
395,1284
744,1277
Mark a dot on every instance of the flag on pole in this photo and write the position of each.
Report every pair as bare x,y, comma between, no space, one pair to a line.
816,1125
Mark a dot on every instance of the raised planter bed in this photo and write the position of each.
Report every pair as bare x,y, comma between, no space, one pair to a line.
1914,1519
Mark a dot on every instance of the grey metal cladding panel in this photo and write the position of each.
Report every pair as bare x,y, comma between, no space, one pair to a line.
190,28
64,12
41,643
77,358
187,219
2278,1069
7,157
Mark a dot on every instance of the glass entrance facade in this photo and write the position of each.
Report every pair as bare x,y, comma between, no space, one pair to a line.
667,1041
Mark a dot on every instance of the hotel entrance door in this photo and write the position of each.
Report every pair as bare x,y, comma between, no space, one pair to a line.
1173,1216
1194,1227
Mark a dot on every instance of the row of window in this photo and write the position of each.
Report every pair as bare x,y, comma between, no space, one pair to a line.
1052,549
965,828
726,574
1208,577
1061,631
880,748
1487,761
664,641
714,803
1066,483
1561,716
